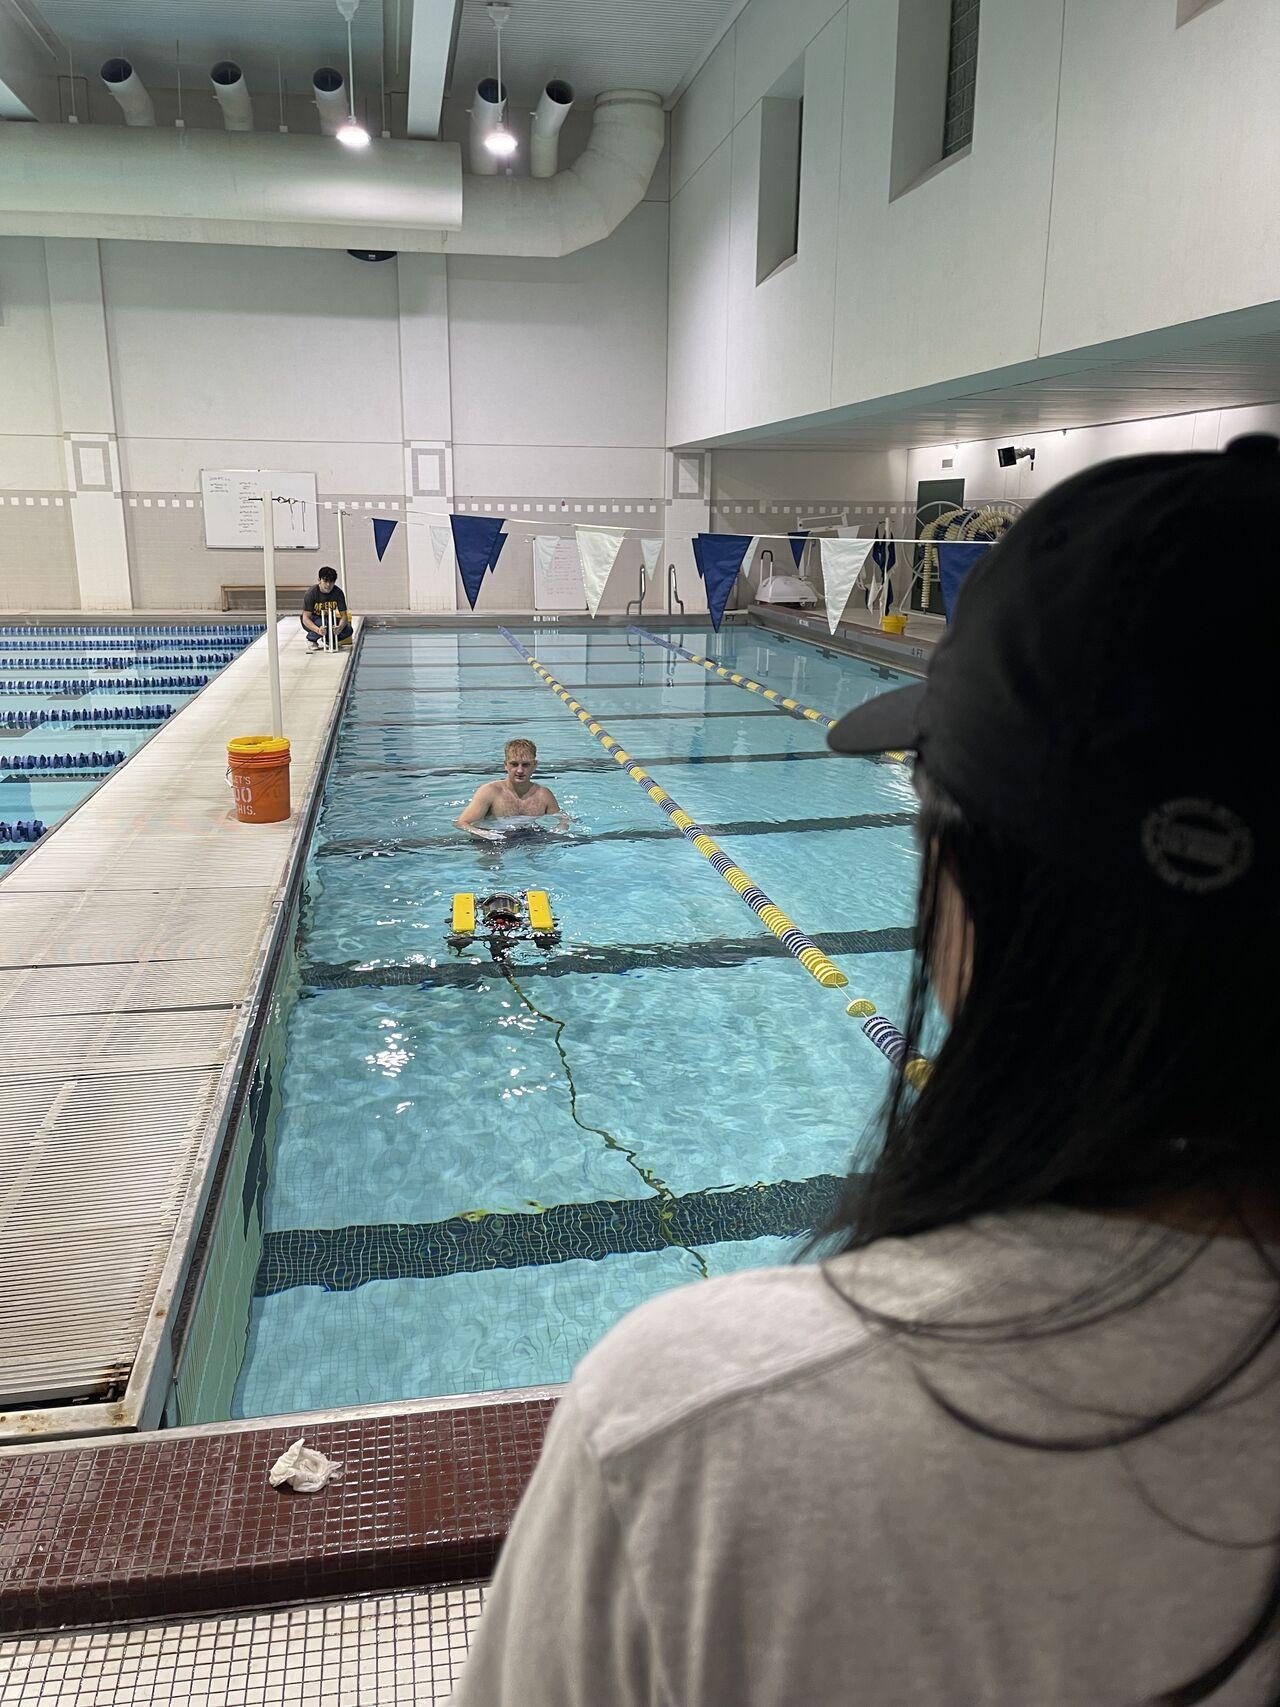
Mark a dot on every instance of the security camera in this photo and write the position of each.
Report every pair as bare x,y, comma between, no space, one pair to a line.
372,254
1009,455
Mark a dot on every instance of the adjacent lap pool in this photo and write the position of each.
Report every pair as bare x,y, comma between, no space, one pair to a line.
433,1218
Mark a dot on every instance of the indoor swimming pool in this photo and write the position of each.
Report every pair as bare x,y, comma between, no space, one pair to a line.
77,699
434,1220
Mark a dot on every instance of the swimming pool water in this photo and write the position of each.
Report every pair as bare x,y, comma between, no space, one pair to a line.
56,655
435,1220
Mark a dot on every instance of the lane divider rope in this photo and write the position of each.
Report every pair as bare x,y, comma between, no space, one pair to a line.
878,1030
809,713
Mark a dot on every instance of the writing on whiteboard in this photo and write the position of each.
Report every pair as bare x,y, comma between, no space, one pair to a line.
557,574
233,508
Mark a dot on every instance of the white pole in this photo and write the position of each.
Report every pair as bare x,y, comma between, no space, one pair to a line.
273,630
342,553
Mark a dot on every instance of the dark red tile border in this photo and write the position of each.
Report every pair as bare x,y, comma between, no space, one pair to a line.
180,1524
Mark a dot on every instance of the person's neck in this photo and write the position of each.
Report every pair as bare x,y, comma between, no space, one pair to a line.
520,789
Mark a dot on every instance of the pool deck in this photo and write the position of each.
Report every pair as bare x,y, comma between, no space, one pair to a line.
132,940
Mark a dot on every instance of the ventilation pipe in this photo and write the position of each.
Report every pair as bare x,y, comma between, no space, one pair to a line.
299,192
544,141
486,116
329,87
127,87
231,92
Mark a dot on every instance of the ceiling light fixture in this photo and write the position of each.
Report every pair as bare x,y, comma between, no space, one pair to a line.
500,141
351,133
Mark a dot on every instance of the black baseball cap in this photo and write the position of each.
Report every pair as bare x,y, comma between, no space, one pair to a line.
1108,691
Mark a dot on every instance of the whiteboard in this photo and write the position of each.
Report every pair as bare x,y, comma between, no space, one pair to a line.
557,574
233,508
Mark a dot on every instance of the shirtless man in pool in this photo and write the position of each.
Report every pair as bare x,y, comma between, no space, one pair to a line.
515,796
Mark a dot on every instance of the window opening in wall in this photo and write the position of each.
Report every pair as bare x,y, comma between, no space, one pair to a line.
962,77
781,160
934,88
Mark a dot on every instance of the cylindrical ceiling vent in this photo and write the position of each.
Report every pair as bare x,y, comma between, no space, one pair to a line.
232,94
486,116
544,141
329,87
127,87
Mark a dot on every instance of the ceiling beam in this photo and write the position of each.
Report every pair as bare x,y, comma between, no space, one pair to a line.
29,64
431,40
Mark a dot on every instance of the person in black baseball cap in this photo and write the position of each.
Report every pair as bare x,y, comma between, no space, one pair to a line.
1097,922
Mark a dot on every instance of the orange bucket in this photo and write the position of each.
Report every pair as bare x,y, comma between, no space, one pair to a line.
258,771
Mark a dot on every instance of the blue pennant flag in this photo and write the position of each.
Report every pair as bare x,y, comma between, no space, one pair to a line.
883,557
883,554
955,559
478,542
798,542
719,558
382,532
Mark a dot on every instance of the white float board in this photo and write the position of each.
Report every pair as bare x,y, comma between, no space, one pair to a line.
233,508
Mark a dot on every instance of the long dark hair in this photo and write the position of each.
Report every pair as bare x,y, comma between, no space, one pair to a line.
1108,1053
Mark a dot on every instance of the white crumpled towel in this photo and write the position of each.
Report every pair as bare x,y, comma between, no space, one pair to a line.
303,1468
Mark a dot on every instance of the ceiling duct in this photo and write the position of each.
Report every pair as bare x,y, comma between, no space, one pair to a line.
486,115
231,92
329,89
299,192
127,87
544,140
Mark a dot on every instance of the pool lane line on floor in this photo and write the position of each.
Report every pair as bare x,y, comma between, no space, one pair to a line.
716,954
371,847
562,767
460,723
339,1259
788,933
459,690
663,1196
792,707
875,1028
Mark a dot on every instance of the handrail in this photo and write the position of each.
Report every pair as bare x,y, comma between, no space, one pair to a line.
637,604
673,591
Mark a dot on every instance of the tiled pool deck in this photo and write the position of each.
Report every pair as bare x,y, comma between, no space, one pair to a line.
131,942
184,1521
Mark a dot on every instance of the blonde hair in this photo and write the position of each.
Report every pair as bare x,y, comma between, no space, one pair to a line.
520,748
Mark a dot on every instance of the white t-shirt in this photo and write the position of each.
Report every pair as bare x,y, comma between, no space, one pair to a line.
748,1499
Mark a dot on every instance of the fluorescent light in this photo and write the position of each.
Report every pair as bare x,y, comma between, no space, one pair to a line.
500,141
352,134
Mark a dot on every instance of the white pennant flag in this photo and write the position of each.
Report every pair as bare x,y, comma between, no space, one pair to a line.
598,550
843,561
441,541
651,548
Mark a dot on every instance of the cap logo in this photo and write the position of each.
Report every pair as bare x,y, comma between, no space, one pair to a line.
1196,845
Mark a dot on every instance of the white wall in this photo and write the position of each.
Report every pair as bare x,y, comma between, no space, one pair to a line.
1120,179
517,384
1062,454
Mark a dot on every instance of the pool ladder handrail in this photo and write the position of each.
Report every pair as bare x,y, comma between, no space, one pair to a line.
673,591
637,604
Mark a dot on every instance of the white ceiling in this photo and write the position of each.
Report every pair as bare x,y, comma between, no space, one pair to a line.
593,44
1158,374
301,34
